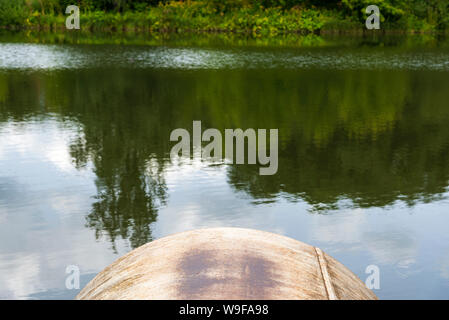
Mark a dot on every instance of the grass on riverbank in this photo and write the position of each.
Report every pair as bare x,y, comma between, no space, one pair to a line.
223,39
201,16
197,17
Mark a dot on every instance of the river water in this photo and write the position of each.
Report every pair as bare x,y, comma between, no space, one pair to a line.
86,174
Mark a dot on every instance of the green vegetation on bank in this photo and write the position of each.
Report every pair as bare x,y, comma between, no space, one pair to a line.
227,39
249,16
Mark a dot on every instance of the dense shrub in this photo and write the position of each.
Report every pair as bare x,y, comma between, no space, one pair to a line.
258,16
13,13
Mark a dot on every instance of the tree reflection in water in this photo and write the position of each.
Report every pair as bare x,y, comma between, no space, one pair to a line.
373,137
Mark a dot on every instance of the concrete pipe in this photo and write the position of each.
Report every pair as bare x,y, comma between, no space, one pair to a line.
226,263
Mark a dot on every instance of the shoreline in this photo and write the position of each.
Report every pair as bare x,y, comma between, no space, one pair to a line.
207,17
217,31
233,39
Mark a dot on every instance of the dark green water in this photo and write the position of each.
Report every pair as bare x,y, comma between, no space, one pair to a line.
86,176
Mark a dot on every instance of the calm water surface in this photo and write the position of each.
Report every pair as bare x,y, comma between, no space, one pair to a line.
85,172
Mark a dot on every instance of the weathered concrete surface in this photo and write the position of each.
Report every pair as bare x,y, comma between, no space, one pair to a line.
226,263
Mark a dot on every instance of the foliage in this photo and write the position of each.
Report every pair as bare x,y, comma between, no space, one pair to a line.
256,16
13,12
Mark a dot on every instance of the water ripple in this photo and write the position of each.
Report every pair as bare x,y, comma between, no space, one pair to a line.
54,57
